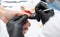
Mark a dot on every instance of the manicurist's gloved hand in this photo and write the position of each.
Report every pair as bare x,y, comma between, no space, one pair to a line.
43,12
15,26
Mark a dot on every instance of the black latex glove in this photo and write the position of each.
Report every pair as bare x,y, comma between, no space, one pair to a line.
15,26
41,5
43,15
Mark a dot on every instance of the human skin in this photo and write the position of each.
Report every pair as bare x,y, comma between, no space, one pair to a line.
6,15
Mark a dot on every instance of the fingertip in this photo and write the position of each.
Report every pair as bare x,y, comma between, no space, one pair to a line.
21,13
